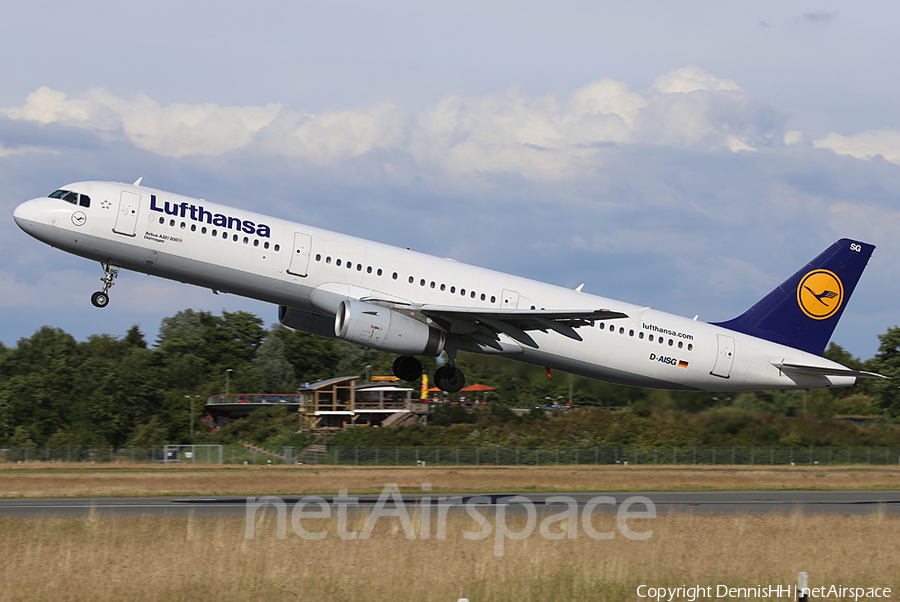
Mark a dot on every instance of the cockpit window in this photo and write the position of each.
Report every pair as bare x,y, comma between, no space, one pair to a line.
71,197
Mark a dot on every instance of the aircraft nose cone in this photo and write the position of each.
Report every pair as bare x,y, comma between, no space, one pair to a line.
26,215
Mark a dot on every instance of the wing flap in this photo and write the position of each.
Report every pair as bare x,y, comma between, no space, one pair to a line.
514,323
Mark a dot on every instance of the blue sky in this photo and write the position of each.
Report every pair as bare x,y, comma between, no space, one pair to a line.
687,156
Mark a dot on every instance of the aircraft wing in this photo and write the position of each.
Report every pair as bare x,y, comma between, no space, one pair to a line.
823,371
485,325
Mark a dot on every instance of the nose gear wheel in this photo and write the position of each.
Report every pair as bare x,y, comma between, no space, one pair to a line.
101,298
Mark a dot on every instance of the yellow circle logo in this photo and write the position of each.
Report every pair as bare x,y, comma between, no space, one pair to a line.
820,294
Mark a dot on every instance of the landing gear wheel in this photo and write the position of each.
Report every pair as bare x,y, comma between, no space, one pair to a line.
100,299
407,368
449,378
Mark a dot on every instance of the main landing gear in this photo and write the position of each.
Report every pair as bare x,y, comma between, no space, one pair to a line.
447,378
101,298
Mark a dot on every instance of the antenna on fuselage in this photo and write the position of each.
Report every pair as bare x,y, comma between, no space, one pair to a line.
138,181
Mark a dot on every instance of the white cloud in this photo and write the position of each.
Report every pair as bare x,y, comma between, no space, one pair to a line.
868,144
691,79
538,138
175,131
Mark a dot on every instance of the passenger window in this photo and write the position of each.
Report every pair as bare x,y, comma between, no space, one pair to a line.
621,330
328,260
472,294
631,333
172,222
215,232
452,289
162,220
378,272
183,225
338,263
680,344
462,292
256,243
422,282
411,279
482,296
246,240
266,245
359,267
394,276
277,248
493,299
443,287
203,230
369,270
193,227
319,257
690,346
602,325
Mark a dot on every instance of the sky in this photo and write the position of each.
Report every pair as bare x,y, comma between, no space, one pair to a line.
686,156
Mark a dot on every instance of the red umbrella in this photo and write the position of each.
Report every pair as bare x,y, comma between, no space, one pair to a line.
478,387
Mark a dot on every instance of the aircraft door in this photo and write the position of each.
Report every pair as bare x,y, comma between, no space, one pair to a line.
725,357
300,254
126,219
510,299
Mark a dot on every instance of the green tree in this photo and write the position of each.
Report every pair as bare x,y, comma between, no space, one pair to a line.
887,363
276,372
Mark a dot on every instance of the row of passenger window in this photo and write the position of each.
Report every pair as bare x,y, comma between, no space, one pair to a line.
650,338
215,233
422,282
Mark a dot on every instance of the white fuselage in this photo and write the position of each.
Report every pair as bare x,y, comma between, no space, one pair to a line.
285,263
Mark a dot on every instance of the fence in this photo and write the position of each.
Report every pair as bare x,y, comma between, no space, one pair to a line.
464,456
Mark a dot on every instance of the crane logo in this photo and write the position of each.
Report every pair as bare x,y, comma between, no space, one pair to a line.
820,294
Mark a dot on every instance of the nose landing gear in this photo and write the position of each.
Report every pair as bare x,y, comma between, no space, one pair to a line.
101,298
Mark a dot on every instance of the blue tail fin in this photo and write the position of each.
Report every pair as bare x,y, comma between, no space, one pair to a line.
804,310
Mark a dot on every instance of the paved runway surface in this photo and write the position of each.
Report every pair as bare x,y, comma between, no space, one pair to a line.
706,502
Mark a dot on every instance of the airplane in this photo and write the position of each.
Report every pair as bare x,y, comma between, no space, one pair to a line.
412,304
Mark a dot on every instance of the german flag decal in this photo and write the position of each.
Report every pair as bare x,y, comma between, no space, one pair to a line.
682,364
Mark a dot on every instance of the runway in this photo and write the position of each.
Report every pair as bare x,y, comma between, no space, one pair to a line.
705,502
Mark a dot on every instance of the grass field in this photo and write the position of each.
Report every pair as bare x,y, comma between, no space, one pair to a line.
85,480
174,559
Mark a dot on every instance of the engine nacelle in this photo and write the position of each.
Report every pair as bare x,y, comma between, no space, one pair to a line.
306,321
386,330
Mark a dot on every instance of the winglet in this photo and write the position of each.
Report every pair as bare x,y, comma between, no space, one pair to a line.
803,312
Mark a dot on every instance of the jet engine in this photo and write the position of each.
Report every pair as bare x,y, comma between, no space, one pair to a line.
386,330
305,321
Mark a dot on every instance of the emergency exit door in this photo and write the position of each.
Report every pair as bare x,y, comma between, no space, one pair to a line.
300,254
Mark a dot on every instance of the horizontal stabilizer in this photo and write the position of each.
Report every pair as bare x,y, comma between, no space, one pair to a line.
825,371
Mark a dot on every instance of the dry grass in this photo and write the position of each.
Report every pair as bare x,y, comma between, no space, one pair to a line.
68,480
174,559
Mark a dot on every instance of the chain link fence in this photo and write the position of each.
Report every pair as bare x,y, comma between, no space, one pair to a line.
461,456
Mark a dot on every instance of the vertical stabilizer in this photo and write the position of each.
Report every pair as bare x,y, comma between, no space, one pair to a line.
803,311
